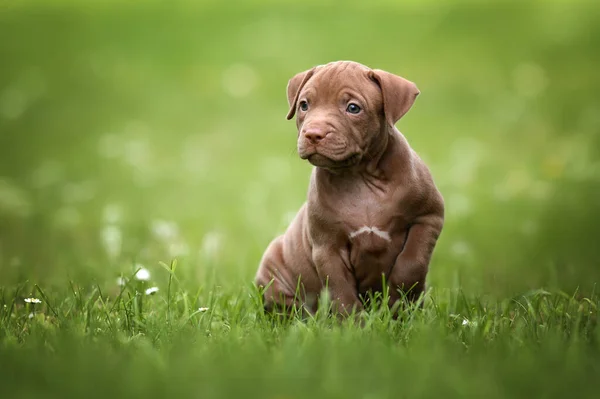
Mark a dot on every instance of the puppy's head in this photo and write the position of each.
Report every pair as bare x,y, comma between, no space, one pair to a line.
344,109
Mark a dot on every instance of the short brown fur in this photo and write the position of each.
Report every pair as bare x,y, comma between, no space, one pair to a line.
372,210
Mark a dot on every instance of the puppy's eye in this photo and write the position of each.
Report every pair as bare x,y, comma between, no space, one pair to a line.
303,106
353,108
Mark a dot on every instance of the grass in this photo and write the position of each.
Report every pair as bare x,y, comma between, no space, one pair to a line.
86,341
134,133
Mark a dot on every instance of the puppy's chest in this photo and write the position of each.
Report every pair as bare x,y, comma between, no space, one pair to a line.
375,238
372,235
372,224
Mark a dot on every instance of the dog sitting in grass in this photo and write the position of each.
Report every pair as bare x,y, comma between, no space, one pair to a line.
373,213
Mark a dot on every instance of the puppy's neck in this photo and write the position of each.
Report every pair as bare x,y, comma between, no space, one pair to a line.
373,160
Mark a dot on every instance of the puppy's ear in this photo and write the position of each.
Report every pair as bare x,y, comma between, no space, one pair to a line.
293,89
398,94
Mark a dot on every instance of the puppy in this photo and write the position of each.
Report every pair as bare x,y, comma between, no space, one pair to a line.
373,212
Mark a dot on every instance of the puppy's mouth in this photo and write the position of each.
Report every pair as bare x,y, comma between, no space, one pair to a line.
323,161
336,153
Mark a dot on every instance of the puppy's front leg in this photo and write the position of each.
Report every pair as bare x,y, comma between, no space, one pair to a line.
338,278
410,269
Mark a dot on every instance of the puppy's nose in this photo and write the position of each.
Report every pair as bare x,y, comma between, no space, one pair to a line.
314,135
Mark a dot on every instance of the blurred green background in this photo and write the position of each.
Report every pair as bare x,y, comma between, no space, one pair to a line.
132,132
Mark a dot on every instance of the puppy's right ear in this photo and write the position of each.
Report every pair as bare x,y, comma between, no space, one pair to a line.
293,89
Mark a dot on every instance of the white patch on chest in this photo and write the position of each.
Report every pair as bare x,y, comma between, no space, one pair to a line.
366,229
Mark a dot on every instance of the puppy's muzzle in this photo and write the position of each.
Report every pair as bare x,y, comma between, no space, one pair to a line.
314,134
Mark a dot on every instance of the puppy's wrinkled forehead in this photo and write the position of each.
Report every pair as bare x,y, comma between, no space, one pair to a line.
332,80
373,87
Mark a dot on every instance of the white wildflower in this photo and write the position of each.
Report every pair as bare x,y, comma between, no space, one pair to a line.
30,315
469,323
151,290
202,309
143,274
32,300
121,281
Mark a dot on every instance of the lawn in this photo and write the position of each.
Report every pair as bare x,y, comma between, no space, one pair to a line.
152,136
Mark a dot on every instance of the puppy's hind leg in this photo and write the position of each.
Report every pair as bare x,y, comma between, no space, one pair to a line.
280,297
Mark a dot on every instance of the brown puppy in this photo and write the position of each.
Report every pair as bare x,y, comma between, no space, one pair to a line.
373,209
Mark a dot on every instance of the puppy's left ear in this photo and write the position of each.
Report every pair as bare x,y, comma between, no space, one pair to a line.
398,94
293,89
